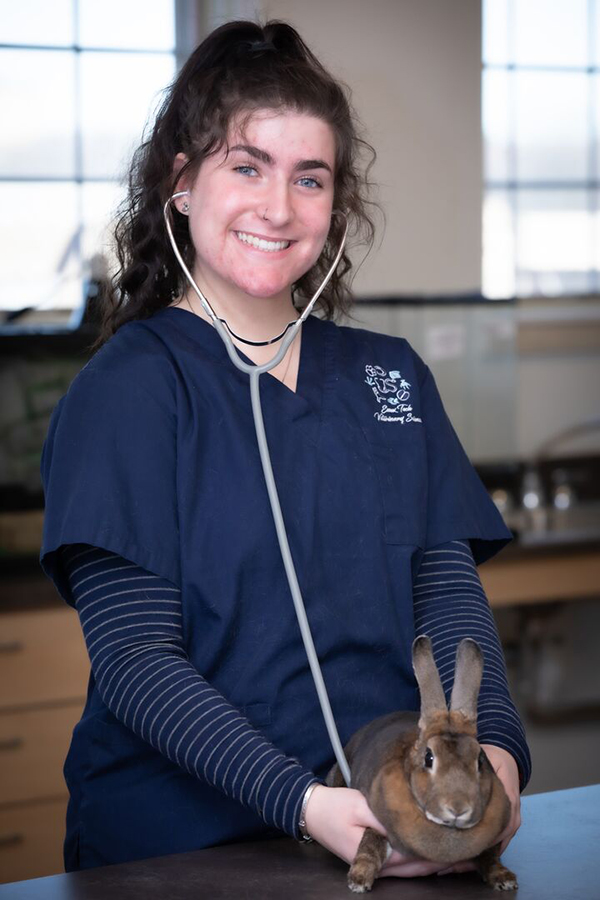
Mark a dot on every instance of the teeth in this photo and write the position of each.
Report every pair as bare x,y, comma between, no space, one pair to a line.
269,246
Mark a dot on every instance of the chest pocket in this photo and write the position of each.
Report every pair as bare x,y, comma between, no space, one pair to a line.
400,460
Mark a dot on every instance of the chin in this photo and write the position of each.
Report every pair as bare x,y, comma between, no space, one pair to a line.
265,289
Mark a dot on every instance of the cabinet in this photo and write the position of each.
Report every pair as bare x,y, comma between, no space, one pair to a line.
532,578
44,670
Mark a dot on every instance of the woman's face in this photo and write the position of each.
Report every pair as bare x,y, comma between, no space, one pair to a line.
275,186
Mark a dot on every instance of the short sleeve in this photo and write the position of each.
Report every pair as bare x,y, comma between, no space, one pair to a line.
108,467
458,504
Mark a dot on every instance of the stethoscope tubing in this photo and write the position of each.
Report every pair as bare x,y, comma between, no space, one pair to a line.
255,371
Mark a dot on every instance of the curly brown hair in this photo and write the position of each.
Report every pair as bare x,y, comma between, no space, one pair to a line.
239,68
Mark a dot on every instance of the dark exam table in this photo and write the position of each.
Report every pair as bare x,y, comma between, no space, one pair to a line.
556,855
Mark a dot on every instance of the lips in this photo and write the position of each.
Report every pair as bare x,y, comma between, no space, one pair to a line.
262,243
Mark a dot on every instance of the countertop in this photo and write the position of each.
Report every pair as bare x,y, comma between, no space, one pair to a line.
555,856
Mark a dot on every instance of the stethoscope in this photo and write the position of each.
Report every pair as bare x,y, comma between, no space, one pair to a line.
255,371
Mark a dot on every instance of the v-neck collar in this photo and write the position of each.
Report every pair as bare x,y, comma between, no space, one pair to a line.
314,367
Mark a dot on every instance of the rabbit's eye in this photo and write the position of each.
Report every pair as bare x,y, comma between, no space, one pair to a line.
428,758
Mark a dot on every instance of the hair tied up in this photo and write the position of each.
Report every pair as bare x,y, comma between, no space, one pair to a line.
259,46
239,68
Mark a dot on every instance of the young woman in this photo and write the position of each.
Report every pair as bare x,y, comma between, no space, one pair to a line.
202,725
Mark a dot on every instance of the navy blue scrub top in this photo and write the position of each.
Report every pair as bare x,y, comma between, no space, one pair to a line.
152,454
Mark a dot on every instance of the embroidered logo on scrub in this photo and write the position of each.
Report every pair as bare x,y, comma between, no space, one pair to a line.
393,395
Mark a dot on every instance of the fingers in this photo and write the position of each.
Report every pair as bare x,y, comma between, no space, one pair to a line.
507,838
512,827
466,865
399,859
405,865
410,869
507,771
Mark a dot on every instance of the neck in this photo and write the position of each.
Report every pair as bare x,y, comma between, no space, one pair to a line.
255,318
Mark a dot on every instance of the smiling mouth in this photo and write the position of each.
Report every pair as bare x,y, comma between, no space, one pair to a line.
252,240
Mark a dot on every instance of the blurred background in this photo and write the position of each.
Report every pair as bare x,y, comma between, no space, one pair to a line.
485,115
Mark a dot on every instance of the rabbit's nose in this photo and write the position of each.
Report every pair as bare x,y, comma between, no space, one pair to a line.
457,816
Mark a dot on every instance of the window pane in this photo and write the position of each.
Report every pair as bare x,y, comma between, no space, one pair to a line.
498,245
36,22
135,25
552,125
551,32
119,92
496,123
555,242
37,102
495,32
39,239
595,103
100,202
596,236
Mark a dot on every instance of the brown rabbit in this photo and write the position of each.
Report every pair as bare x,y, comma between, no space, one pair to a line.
427,779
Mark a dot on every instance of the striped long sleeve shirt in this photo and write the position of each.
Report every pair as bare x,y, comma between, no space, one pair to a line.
131,621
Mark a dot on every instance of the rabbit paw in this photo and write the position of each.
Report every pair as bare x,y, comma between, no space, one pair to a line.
373,851
502,879
360,880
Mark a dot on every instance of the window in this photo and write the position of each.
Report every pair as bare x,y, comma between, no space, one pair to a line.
541,122
78,81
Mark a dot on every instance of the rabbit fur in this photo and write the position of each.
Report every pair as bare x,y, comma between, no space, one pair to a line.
426,778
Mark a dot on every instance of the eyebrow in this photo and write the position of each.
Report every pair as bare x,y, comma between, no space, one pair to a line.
301,166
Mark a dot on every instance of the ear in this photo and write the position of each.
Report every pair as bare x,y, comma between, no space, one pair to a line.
467,678
433,699
183,184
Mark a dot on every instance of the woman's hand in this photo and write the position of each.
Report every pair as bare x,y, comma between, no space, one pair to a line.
507,771
337,818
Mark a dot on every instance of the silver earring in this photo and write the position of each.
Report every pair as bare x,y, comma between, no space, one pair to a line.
185,206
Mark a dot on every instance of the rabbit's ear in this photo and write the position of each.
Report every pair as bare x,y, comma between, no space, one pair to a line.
428,678
467,678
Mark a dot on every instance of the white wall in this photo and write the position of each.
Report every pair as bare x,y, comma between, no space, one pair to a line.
414,68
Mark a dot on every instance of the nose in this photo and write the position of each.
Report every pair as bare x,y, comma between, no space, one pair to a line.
276,205
457,814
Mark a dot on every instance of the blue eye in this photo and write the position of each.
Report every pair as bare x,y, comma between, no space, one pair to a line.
247,166
315,183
